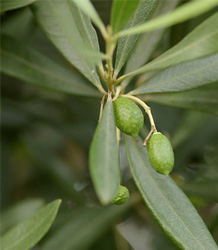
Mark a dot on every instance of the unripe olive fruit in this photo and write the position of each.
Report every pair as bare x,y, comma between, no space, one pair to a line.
122,196
160,153
129,118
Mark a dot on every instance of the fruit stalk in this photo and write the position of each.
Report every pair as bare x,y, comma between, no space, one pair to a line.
148,111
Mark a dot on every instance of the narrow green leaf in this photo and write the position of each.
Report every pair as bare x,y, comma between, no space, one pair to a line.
29,65
104,156
126,44
182,77
26,234
201,99
181,14
121,12
56,21
87,7
171,208
202,41
148,42
84,26
84,227
19,212
14,4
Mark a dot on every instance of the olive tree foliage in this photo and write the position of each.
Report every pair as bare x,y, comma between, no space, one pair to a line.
127,58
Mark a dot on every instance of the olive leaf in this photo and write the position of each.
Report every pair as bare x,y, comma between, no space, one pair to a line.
104,156
87,7
15,214
148,42
13,4
126,44
26,234
56,21
121,12
26,64
169,205
181,14
182,77
202,41
84,25
201,99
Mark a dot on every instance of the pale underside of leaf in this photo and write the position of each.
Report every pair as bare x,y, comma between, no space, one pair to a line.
87,7
55,19
126,44
148,42
84,26
201,99
27,64
182,77
201,42
181,14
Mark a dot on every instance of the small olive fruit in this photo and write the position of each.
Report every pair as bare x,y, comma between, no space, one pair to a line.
122,196
160,153
129,118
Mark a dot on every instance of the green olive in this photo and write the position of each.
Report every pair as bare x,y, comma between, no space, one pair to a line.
160,153
122,196
129,118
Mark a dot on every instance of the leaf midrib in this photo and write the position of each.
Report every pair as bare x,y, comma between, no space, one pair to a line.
159,190
93,76
125,45
176,78
29,232
204,100
85,28
40,69
108,153
159,61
